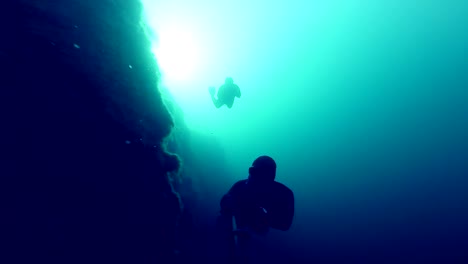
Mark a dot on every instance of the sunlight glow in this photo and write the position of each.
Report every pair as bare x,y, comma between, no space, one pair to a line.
177,54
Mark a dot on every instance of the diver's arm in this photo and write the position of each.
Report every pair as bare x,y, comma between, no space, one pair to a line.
284,215
220,90
238,92
229,202
217,103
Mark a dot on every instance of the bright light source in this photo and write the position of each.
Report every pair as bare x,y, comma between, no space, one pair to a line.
176,53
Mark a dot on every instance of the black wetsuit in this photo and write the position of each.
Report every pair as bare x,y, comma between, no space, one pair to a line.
226,94
271,205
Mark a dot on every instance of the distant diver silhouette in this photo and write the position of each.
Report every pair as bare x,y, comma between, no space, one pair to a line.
226,93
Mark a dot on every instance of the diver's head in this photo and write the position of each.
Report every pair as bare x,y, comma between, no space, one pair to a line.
229,80
263,170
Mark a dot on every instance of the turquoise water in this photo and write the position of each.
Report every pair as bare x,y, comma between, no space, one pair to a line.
363,104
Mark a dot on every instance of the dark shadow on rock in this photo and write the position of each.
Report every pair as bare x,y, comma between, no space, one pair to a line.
82,128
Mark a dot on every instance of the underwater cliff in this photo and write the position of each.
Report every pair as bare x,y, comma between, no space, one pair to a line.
85,130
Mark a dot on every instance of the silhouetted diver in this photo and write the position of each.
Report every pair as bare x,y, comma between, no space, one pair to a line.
226,93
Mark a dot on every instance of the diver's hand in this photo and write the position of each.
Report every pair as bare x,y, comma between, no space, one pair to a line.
212,90
260,224
261,215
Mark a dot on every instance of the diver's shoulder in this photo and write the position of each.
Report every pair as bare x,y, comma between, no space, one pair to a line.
281,187
239,186
241,182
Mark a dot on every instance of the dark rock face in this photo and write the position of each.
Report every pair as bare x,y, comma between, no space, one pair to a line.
82,130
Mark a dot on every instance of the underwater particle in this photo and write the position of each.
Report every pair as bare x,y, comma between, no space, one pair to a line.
127,142
52,43
75,26
130,66
76,46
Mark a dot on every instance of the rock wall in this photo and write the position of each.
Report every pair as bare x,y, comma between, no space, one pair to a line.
83,163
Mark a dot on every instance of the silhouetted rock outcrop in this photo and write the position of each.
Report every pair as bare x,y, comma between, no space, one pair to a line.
82,130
